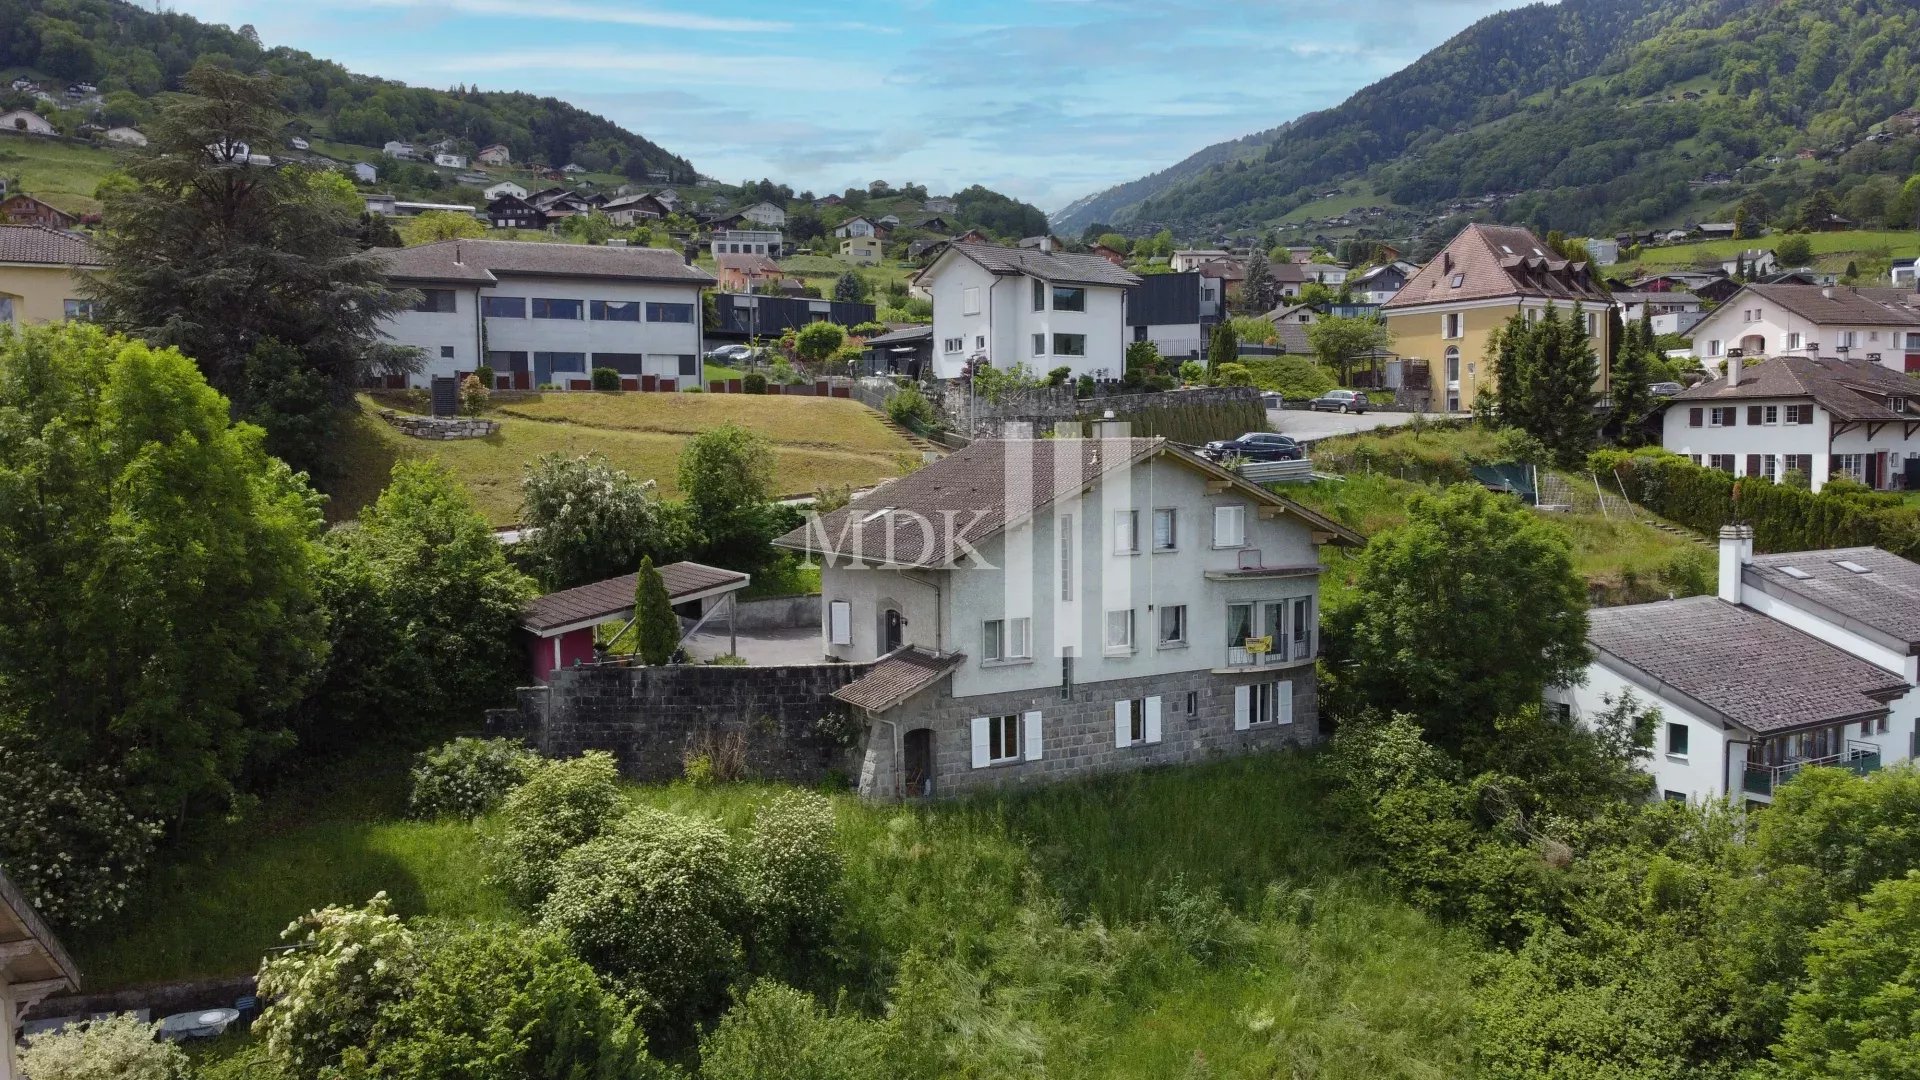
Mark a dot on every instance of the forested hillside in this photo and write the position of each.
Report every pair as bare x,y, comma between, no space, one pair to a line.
132,53
1596,114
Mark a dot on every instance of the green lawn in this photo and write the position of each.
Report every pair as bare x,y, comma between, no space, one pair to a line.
821,269
1053,900
65,174
818,442
1852,242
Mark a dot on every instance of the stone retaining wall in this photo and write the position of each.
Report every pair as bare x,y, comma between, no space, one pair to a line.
440,427
649,718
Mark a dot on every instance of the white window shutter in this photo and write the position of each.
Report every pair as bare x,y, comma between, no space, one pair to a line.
1283,703
1033,735
1242,701
979,742
1122,722
1153,719
840,623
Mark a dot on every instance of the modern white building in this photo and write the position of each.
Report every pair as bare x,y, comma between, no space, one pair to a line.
450,161
1801,659
1003,306
767,214
1047,608
1809,320
858,226
504,187
746,242
1195,258
1821,418
402,150
542,314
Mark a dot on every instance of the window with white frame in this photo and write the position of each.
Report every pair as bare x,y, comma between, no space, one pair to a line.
979,341
1848,339
1769,466
953,344
1677,739
1770,414
1592,324
1136,720
1120,630
1039,295
1039,344
1007,639
1723,416
1713,348
1722,462
1850,465
1070,344
1263,704
970,301
1793,340
1126,532
1453,325
1230,526
1069,298
1173,624
839,623
1166,529
1003,738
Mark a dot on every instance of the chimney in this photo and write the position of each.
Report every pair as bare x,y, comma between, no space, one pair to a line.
1826,291
1735,362
1736,551
1046,243
456,253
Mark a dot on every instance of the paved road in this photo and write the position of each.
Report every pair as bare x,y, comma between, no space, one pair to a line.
1308,427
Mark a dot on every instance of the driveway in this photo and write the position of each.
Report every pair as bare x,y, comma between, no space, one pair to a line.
1309,427
761,648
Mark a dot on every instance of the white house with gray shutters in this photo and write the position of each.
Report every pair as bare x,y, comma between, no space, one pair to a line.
1002,306
541,314
1041,608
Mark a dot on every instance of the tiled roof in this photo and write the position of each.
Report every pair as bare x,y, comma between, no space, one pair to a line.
1224,269
1495,262
1748,668
614,596
903,335
1675,296
485,260
1840,305
747,264
1850,389
1886,598
906,520
39,244
896,677
1294,339
1058,266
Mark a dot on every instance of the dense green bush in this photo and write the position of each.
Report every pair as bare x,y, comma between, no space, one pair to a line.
562,805
779,1033
606,378
70,843
654,905
909,408
327,994
119,1047
1296,378
754,383
790,869
467,777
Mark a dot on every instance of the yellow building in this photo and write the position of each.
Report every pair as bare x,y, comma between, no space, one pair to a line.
1448,312
39,279
860,249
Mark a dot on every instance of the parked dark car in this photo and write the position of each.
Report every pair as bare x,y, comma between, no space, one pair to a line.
730,354
1354,401
1255,446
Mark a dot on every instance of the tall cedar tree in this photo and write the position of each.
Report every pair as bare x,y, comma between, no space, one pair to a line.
655,626
223,259
1224,349
1545,371
1633,380
1256,293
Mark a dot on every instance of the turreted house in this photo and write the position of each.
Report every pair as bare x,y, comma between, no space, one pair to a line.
1041,608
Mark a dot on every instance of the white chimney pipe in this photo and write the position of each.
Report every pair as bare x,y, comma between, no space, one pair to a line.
1734,366
1736,550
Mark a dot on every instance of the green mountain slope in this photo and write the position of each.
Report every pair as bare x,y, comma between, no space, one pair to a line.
132,53
1591,114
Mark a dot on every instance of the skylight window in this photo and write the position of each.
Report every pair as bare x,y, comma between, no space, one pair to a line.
877,515
1457,280
1852,567
1795,573
1506,249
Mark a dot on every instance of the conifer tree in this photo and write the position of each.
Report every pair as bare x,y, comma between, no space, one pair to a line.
1225,348
655,625
1256,293
1633,381
1563,397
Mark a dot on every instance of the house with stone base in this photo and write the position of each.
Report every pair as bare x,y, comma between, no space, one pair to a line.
1026,610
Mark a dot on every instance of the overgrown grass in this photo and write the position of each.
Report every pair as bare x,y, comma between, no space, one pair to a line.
1849,242
818,442
1045,916
64,174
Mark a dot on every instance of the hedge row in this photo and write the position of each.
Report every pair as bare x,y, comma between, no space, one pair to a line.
1844,514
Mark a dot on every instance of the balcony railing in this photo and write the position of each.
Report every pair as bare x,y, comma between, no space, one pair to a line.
1859,757
1282,652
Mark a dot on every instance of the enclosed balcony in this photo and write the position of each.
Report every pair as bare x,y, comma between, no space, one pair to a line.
1763,778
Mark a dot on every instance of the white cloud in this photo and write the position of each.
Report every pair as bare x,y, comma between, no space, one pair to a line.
683,65
622,15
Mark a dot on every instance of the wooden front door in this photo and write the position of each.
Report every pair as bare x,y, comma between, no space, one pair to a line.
893,632
917,776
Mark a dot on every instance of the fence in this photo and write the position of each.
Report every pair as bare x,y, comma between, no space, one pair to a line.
1276,472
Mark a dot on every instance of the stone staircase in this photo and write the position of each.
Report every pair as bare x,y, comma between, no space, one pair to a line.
916,441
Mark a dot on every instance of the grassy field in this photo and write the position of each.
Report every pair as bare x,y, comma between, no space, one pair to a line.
818,442
1054,901
65,174
1826,247
822,269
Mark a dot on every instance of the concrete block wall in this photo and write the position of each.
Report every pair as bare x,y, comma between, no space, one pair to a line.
1077,731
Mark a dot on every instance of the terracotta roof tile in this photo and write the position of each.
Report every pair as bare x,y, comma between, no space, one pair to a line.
1850,389
39,244
1840,305
896,677
1494,262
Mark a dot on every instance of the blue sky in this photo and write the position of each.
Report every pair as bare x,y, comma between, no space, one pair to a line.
1047,100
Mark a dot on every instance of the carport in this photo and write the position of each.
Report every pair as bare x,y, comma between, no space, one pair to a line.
559,626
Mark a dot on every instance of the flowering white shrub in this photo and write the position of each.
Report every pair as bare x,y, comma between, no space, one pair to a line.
468,777
562,805
118,1048
652,905
327,993
790,870
69,843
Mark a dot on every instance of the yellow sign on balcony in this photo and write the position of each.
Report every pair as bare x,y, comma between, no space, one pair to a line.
1258,645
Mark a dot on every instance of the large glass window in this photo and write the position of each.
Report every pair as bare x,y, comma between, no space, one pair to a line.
503,307
434,300
1039,295
79,310
1069,344
674,313
1069,298
544,308
618,311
